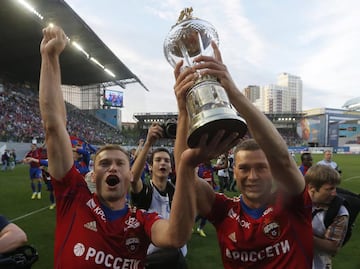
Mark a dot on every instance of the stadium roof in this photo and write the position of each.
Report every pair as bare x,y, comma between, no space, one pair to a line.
21,36
352,104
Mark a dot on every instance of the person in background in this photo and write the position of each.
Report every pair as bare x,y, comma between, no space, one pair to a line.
82,155
156,196
306,162
206,171
11,236
328,161
133,155
322,181
232,182
5,160
223,174
12,159
45,177
13,153
35,171
90,181
293,155
262,227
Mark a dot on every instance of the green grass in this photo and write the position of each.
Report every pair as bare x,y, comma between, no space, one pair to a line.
202,252
16,203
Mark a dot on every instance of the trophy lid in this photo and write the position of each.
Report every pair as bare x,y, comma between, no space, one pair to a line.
188,38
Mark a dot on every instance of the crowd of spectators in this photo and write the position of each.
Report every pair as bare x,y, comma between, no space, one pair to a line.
291,137
20,120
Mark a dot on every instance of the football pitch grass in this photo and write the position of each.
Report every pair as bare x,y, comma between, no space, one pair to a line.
38,221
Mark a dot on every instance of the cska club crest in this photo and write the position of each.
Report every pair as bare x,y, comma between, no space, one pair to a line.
271,229
132,244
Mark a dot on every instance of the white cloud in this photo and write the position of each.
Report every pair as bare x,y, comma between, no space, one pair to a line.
333,58
317,41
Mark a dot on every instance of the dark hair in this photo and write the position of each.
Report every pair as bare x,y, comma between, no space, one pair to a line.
319,175
248,144
305,155
156,151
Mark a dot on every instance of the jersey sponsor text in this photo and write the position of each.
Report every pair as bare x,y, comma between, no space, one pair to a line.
243,223
101,258
277,249
96,209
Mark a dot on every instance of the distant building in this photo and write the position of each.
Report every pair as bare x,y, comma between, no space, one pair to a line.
275,99
283,97
84,98
87,98
352,104
293,94
146,119
329,127
129,125
252,92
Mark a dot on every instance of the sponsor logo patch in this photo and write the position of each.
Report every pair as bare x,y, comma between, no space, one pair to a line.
232,237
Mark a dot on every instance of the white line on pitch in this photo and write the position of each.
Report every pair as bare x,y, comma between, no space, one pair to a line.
351,178
29,214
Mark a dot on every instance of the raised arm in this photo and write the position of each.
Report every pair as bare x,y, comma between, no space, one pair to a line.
283,166
52,106
139,147
184,81
154,133
177,230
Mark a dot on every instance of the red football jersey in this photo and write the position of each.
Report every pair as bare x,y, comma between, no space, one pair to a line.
36,154
86,239
280,238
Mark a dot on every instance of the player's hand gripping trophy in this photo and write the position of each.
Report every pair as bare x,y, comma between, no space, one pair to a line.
207,103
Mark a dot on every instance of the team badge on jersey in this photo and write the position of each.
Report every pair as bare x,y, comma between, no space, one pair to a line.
271,229
132,244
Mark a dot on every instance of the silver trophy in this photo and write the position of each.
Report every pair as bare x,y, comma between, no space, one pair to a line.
207,102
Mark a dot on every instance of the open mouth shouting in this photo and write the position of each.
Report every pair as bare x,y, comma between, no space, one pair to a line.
163,169
112,180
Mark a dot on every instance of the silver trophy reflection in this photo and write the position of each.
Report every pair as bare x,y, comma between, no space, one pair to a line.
207,102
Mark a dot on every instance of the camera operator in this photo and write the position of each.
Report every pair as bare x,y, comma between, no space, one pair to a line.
157,195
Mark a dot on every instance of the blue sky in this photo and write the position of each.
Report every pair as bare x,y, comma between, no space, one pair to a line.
316,40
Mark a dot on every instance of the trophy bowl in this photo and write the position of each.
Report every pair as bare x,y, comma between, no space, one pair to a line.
207,103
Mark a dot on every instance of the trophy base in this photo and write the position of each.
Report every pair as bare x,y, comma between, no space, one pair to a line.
219,121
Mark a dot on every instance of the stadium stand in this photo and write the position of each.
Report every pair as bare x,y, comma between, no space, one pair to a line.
20,64
20,120
21,33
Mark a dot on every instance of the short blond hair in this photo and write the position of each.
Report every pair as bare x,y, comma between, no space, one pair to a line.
112,147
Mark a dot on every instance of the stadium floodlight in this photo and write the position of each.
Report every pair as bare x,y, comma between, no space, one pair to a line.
97,62
109,72
30,8
76,45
